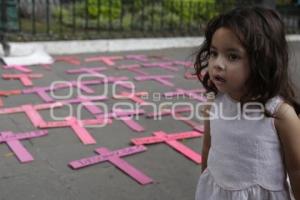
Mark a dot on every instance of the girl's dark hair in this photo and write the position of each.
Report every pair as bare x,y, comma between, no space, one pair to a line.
261,32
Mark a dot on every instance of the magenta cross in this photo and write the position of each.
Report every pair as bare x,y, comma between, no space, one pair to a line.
87,102
109,60
13,141
21,68
114,157
126,117
24,78
69,59
171,140
77,126
159,78
136,68
31,111
190,93
86,70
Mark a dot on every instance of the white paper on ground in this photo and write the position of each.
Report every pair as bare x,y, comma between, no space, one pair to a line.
27,55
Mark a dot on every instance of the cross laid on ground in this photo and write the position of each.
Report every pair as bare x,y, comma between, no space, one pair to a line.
87,102
114,157
24,78
31,111
108,60
21,68
135,97
68,59
135,68
42,91
190,93
126,117
86,70
77,126
177,113
171,140
162,65
13,141
159,78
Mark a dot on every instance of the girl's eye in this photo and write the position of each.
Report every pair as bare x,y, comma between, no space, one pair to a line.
233,57
213,53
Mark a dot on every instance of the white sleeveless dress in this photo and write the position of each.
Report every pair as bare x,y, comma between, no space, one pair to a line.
245,159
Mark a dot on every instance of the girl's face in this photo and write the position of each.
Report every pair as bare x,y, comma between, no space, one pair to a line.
228,64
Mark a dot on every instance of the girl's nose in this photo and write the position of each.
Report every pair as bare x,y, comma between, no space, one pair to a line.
219,63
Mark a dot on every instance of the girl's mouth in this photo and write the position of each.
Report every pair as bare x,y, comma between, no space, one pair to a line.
219,79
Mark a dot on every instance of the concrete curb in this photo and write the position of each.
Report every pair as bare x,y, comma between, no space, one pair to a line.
115,45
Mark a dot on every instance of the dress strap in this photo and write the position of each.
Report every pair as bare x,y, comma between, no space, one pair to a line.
273,104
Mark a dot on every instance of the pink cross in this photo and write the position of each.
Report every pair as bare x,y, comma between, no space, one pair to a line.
189,75
9,92
141,58
24,78
190,93
87,102
86,70
42,91
186,64
163,65
159,78
171,140
177,113
114,157
13,141
21,68
135,97
77,126
126,117
136,68
31,111
109,60
69,59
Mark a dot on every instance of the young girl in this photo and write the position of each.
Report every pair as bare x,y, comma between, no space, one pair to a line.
245,55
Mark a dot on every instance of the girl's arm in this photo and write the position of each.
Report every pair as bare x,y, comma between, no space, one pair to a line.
288,127
206,144
206,139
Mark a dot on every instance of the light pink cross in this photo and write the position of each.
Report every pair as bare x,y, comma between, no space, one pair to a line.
87,102
86,70
136,68
177,113
171,140
69,59
21,68
24,78
163,65
126,117
77,126
190,93
135,97
31,111
109,60
138,57
13,141
159,78
114,157
42,91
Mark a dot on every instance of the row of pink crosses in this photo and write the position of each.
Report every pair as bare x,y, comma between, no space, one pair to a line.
13,140
26,77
